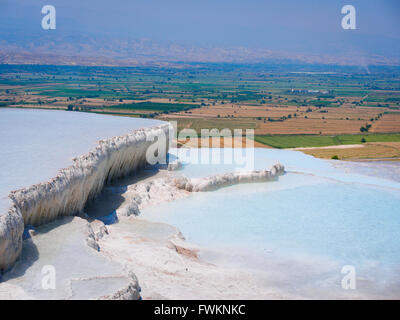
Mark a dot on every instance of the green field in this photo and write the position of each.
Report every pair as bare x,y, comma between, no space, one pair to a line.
298,141
155,106
203,84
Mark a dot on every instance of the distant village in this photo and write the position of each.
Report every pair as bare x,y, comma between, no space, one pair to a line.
304,91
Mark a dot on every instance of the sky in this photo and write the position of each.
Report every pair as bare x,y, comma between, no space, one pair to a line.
307,26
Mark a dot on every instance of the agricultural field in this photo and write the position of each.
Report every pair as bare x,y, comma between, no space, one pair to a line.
288,106
368,151
298,141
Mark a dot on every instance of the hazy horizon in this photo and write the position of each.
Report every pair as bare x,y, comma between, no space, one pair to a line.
309,31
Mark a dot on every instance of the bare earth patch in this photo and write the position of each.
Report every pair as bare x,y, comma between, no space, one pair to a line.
367,151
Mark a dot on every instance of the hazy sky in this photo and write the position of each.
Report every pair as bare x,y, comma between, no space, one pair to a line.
290,25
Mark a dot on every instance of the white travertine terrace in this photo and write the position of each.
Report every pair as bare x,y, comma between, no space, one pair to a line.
227,179
68,192
169,188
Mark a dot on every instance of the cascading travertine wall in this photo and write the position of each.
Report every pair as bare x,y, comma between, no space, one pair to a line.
68,193
11,229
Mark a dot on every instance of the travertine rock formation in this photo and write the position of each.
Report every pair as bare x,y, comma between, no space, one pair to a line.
68,192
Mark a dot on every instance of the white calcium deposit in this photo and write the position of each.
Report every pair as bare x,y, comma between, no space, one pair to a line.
172,187
228,179
69,246
68,192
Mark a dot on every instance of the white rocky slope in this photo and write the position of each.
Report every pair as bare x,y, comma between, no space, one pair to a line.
68,250
89,257
73,187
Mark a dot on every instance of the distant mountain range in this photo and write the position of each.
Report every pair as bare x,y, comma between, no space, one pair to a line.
107,51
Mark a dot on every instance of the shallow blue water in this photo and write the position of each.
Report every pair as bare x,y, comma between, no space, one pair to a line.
350,223
315,212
